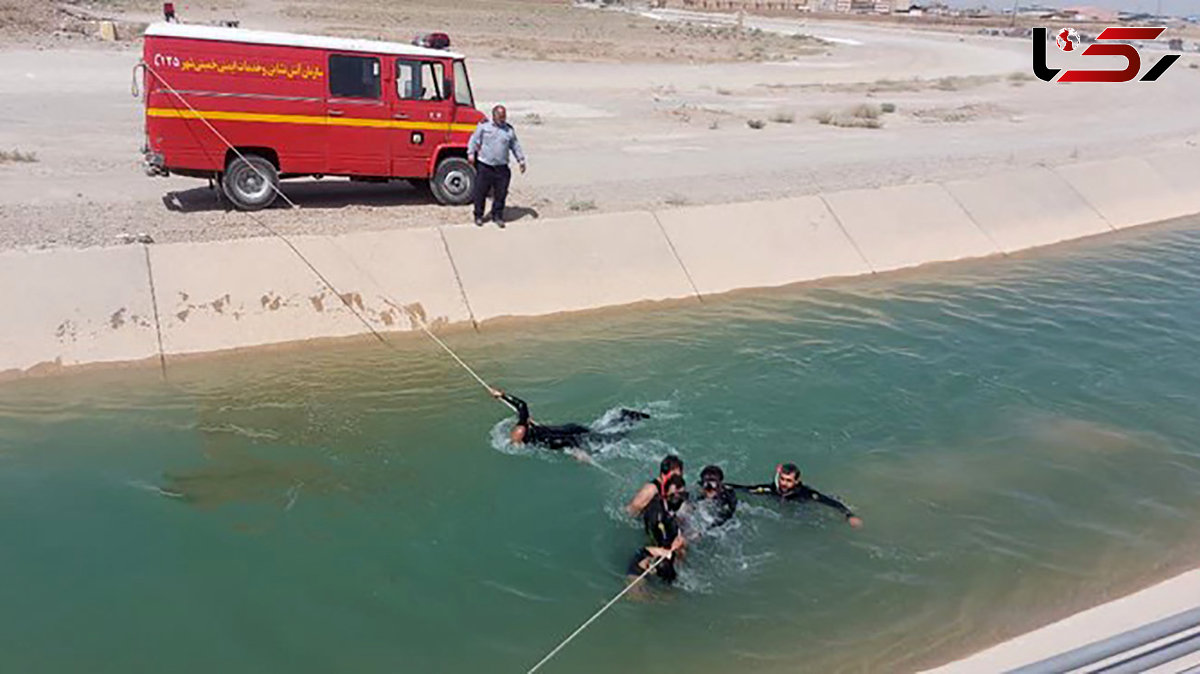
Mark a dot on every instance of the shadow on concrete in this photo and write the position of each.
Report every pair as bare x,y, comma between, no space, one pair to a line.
327,194
517,213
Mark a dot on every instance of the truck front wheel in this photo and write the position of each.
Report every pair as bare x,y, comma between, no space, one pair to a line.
453,182
251,182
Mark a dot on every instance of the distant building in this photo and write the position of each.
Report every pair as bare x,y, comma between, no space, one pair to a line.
1135,16
1086,14
928,9
856,6
891,6
1033,11
978,13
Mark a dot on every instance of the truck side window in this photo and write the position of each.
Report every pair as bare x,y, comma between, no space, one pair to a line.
462,85
353,76
420,81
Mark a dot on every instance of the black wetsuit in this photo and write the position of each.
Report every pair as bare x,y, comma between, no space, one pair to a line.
721,506
799,493
562,436
662,527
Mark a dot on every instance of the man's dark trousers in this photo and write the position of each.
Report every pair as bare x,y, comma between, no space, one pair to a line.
487,178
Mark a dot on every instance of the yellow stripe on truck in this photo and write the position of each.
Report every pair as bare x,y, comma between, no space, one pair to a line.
324,120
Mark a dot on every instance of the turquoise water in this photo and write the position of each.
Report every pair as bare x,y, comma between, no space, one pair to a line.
1019,435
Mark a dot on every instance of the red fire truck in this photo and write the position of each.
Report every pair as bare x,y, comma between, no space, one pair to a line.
248,108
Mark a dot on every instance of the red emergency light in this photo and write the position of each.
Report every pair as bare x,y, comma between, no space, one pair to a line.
169,11
433,41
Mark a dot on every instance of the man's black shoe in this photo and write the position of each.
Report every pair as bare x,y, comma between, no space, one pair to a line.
479,222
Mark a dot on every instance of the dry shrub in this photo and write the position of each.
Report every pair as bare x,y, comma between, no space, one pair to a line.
866,111
18,157
861,117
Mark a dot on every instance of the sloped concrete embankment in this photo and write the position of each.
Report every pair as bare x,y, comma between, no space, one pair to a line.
1154,631
152,303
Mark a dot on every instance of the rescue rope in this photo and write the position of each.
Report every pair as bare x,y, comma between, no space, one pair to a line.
413,316
604,608
595,615
216,133
421,324
583,457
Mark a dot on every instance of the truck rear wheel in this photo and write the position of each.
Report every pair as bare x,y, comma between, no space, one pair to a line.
453,182
250,182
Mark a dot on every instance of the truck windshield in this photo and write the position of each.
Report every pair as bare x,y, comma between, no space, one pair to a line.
462,85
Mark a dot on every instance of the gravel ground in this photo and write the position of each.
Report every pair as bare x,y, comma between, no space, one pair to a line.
601,135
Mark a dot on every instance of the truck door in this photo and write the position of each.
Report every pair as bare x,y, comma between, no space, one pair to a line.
357,116
421,113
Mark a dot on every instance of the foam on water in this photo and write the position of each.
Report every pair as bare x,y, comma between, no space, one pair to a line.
718,553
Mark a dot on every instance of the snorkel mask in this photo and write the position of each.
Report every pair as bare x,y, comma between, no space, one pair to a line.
712,479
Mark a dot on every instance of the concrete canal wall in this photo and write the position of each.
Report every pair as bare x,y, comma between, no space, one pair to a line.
133,303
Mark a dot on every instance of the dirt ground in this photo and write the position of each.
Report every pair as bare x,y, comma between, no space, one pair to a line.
616,111
515,29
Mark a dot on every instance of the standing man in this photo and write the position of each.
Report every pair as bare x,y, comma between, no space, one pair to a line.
488,152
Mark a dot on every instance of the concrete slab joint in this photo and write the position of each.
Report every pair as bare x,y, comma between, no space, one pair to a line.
908,225
572,264
86,306
1131,191
760,244
1048,210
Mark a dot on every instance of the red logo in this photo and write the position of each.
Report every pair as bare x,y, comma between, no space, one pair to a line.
1067,39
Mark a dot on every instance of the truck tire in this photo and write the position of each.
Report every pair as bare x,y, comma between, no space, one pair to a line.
453,182
250,182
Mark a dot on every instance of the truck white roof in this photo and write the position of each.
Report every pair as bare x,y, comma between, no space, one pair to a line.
222,34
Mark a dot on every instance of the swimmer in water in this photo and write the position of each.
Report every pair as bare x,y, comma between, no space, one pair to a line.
661,521
528,431
788,487
671,465
716,498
